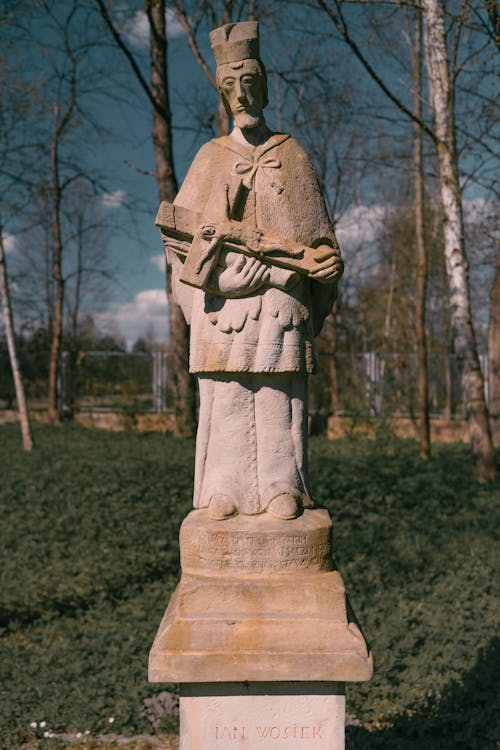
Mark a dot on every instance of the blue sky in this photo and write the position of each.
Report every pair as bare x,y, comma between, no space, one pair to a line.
139,304
136,304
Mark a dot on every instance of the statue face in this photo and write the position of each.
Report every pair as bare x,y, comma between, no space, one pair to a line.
242,85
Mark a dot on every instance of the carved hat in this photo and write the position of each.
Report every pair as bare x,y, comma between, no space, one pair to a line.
235,41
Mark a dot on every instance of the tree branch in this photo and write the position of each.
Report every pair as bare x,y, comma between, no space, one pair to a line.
128,54
193,44
342,29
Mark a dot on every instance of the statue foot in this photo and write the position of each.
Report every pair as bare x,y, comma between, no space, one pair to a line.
285,506
221,507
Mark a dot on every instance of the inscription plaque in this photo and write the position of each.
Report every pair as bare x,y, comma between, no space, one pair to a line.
263,715
305,545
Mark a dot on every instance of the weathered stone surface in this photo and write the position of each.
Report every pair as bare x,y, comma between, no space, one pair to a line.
254,545
287,618
292,716
254,264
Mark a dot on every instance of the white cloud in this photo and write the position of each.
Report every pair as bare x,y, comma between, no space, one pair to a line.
360,226
357,232
159,262
136,27
9,242
174,28
147,311
114,198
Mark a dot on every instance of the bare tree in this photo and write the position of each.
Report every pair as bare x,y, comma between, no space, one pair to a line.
442,103
421,275
15,111
191,24
11,345
181,383
88,272
64,108
494,342
441,72
51,41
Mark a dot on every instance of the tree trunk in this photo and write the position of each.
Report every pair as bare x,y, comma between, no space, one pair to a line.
61,120
494,342
57,321
441,98
182,384
11,345
421,275
332,369
390,297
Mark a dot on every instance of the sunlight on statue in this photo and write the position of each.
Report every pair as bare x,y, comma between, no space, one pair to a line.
254,264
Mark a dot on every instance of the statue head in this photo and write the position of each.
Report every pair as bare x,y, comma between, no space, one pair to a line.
241,76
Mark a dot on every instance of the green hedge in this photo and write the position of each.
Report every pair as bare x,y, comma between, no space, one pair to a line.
89,546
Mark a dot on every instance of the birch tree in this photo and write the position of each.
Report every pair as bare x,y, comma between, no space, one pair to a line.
11,345
442,104
16,111
441,66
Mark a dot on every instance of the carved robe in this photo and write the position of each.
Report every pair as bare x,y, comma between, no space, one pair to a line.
252,352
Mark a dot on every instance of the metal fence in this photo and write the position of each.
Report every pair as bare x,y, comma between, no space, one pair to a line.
385,385
367,384
92,381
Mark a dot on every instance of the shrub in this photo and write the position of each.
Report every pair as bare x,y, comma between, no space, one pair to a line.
89,546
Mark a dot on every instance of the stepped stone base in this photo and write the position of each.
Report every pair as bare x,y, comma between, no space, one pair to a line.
258,601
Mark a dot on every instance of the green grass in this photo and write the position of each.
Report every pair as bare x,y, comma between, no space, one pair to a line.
89,546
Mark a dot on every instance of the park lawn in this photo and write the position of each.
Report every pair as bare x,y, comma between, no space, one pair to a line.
89,546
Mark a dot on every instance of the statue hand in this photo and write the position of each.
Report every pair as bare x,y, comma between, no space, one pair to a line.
330,266
242,275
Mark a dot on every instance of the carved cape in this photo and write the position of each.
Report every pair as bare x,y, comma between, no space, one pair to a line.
270,187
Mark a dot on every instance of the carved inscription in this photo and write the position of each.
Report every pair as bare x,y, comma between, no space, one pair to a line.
269,732
254,551
230,733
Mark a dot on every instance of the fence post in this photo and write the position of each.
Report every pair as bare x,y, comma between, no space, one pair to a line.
159,380
378,372
156,382
163,373
372,375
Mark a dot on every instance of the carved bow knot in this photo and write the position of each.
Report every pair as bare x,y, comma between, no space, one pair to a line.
247,170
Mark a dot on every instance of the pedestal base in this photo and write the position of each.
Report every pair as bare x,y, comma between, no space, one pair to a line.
285,619
288,715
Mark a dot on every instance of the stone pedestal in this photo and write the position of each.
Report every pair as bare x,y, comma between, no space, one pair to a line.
260,634
266,715
259,600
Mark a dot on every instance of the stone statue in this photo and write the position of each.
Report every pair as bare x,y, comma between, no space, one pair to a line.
255,284
259,631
